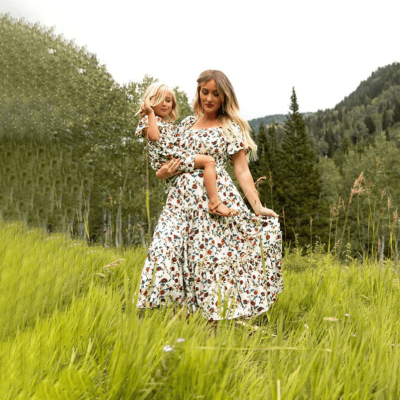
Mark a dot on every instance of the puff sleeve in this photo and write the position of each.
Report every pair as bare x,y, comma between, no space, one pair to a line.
236,141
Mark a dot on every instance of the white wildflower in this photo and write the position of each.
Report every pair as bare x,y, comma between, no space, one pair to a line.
168,348
330,319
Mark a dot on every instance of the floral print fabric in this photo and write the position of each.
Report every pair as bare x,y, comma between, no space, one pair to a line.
167,146
224,267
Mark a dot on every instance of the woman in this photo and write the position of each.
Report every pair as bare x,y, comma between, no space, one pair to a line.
226,268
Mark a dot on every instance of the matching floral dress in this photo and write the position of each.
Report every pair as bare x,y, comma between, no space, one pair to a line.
224,267
165,148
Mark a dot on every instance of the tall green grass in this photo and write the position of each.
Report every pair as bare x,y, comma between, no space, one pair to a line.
69,330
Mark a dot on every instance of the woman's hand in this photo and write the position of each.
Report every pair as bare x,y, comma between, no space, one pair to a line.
169,169
145,107
266,211
246,182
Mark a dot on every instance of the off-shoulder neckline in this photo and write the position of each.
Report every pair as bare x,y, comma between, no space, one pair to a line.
194,119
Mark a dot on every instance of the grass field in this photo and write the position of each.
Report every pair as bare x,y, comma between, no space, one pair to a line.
69,330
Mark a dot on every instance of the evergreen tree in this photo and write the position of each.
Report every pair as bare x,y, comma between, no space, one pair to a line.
385,120
370,124
266,164
299,184
396,112
259,167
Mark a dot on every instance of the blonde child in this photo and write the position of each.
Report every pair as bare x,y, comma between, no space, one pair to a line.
159,111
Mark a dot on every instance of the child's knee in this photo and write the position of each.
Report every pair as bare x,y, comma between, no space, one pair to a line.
210,161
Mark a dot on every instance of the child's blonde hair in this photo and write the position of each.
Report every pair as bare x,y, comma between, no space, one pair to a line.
229,110
155,94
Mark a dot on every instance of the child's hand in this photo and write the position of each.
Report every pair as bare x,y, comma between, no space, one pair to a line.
146,108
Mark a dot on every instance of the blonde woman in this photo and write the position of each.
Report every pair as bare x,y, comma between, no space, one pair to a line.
159,111
224,268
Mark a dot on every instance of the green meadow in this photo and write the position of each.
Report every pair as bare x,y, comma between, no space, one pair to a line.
69,329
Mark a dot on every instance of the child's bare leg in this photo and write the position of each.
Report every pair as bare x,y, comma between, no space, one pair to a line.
210,181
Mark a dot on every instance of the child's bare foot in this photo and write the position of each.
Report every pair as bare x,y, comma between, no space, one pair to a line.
219,208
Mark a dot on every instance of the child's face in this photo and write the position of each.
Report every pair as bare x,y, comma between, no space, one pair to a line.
165,107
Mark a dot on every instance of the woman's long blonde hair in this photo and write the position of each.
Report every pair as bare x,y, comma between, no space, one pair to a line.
155,94
229,110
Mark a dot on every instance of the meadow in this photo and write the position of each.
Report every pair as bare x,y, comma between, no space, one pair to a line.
69,329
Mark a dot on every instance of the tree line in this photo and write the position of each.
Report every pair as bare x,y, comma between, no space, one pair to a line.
312,163
70,161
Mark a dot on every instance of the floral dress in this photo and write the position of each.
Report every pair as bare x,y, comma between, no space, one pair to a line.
166,146
224,267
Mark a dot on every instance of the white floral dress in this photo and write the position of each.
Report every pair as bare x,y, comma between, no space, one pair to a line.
166,147
224,267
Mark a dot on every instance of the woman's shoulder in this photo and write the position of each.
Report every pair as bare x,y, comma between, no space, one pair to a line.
188,122
236,127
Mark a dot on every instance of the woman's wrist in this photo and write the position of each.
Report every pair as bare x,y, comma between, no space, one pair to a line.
257,208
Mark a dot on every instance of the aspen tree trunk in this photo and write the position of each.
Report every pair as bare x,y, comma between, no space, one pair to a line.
381,251
81,228
130,220
52,201
121,233
87,212
103,239
110,229
117,227
59,200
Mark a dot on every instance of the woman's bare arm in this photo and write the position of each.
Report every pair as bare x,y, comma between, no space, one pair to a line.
169,169
246,182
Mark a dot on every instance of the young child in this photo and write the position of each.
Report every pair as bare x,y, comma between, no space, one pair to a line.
159,111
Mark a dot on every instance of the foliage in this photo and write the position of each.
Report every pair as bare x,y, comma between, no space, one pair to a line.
293,178
70,161
269,120
69,158
349,139
373,108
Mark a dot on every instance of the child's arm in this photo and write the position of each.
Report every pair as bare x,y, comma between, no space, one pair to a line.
152,131
201,161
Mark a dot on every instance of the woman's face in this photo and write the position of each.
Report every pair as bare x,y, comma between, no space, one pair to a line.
210,99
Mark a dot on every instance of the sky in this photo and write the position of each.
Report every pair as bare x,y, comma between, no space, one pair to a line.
322,48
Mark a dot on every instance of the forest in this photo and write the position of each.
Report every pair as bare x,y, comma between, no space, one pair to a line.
70,162
79,203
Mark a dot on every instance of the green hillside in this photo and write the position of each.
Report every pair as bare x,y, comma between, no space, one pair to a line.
270,120
267,120
360,135
371,110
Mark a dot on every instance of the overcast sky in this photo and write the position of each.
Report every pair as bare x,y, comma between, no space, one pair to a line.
322,48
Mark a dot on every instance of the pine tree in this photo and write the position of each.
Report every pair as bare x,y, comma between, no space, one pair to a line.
385,120
267,165
258,167
370,124
299,184
396,112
